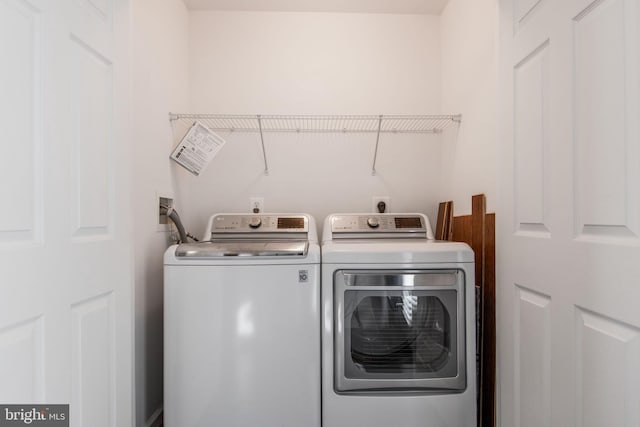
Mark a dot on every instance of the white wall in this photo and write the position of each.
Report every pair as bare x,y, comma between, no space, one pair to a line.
160,85
314,63
469,86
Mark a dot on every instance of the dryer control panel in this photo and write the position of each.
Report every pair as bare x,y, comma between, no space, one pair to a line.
379,226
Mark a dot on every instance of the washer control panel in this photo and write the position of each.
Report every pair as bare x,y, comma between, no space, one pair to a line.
376,224
260,224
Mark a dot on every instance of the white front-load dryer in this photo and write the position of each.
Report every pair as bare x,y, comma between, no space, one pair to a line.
242,325
398,327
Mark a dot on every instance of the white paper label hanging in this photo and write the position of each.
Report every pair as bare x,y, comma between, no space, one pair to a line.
198,147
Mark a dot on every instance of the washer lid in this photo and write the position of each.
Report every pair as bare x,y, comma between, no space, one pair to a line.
242,248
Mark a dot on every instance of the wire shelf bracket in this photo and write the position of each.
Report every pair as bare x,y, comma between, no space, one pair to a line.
378,124
375,153
264,152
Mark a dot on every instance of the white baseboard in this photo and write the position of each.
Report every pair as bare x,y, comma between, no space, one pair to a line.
155,418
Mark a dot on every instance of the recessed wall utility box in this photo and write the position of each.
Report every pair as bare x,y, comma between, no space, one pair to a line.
163,220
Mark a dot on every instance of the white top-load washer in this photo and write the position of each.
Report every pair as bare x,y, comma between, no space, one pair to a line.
398,339
242,324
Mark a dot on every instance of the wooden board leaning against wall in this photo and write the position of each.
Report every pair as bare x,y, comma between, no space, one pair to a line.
478,231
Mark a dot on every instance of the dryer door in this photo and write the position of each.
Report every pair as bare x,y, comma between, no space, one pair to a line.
400,331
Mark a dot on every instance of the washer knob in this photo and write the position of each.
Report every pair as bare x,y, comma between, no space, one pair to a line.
255,222
373,222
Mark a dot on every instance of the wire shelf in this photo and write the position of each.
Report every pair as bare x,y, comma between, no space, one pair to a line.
381,124
322,123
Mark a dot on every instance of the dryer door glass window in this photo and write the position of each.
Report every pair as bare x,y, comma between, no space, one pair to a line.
406,333
400,330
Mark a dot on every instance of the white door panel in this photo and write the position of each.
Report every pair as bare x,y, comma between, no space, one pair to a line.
65,245
569,242
20,85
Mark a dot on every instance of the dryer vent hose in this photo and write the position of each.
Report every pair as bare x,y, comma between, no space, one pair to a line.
173,216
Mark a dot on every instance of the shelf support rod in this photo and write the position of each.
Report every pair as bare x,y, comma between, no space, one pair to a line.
264,152
375,154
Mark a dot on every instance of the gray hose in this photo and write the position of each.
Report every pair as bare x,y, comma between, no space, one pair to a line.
173,216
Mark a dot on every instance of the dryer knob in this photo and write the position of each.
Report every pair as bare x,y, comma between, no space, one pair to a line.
255,222
373,222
